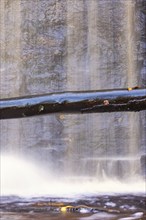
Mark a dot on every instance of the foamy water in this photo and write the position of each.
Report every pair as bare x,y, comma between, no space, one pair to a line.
23,178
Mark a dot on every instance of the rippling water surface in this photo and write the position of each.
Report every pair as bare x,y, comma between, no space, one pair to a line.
112,207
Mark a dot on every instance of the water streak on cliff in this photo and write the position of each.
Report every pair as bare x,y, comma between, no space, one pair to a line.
132,80
10,77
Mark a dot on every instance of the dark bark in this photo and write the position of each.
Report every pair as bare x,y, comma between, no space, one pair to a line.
74,102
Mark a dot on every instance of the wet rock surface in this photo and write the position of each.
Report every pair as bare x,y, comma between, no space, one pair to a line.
143,164
103,207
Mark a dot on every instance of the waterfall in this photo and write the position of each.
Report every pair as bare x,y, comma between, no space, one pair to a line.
96,59
51,46
10,69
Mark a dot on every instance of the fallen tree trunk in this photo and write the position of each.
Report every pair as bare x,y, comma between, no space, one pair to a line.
74,102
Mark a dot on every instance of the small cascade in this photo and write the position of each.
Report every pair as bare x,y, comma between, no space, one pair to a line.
112,167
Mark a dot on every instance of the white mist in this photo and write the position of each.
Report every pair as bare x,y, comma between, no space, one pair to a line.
23,178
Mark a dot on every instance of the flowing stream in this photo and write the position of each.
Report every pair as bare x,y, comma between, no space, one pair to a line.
72,45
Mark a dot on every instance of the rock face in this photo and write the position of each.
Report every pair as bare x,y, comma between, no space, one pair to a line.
143,164
60,45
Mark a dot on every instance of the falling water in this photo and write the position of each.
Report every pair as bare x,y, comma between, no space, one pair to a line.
96,59
50,46
132,80
10,77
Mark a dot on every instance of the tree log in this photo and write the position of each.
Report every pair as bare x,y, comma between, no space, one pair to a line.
74,102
